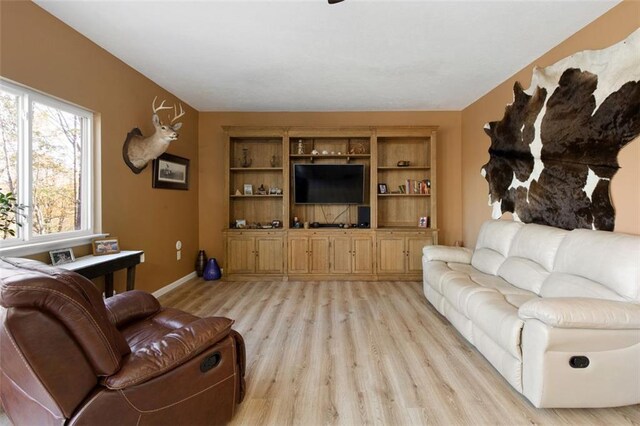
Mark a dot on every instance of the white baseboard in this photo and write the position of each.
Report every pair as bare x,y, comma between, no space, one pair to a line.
167,288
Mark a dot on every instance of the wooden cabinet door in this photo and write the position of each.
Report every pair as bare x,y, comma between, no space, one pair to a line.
341,255
269,259
414,248
241,256
391,255
319,248
298,255
362,255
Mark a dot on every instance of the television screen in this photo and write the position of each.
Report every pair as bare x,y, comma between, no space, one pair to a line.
328,183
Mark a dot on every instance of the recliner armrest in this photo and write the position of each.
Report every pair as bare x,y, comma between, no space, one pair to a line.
172,350
129,306
448,254
574,312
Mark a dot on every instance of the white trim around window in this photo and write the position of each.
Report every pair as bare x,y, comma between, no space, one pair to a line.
28,241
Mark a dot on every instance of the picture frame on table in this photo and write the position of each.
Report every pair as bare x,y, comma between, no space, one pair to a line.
103,246
170,172
423,222
62,256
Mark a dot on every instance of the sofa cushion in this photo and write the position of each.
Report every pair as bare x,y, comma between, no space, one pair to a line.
435,273
523,273
537,243
498,319
518,300
568,285
462,267
609,259
458,290
531,256
493,245
496,283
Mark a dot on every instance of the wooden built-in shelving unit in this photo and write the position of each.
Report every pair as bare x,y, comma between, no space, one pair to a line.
390,248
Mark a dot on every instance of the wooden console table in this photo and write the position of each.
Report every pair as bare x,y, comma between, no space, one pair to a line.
105,265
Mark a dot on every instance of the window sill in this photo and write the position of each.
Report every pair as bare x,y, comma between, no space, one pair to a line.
45,246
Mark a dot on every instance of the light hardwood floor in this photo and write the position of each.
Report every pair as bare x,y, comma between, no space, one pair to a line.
357,353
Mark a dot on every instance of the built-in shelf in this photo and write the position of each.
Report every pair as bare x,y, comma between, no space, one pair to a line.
391,249
256,196
256,169
404,168
313,158
404,195
403,228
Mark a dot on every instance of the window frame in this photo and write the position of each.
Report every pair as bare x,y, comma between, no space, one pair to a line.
26,241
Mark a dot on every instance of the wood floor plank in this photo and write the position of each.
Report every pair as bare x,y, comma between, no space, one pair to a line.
363,353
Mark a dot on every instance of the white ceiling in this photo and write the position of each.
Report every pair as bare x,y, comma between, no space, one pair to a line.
307,55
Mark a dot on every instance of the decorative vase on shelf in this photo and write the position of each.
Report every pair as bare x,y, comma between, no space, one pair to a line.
212,270
246,161
201,262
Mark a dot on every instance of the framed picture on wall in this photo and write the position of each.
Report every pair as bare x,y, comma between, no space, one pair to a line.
170,172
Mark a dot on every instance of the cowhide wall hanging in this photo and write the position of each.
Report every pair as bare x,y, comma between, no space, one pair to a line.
554,152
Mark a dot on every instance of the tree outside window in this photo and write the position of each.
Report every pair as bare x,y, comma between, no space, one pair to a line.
44,163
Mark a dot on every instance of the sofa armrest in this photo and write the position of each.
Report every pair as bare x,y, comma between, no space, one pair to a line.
172,350
129,306
448,254
569,312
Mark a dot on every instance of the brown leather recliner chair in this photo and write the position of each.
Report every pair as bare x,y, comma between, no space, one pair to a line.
67,358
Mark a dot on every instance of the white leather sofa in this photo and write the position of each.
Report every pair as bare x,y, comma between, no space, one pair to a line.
532,298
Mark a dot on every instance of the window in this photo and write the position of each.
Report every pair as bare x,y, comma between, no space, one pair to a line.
46,161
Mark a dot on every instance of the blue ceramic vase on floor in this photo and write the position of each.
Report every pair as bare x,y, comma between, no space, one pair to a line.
212,270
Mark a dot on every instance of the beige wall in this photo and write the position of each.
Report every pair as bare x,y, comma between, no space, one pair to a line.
41,52
612,27
211,140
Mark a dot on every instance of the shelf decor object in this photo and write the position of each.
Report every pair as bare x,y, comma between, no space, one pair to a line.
201,262
212,270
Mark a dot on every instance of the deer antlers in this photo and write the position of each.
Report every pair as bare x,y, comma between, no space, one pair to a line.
175,113
161,107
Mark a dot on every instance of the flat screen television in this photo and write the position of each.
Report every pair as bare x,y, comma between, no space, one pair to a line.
328,183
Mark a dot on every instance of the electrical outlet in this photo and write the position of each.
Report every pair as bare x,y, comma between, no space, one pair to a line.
179,254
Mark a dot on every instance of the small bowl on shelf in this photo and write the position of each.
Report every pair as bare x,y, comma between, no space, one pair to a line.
403,163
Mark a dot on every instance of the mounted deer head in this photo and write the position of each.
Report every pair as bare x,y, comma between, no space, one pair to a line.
138,150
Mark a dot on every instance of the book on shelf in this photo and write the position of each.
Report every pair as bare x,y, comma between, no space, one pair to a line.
422,187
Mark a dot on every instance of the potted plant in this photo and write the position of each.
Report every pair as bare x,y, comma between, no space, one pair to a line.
10,210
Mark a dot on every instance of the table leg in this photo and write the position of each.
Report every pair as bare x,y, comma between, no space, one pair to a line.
108,284
131,277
